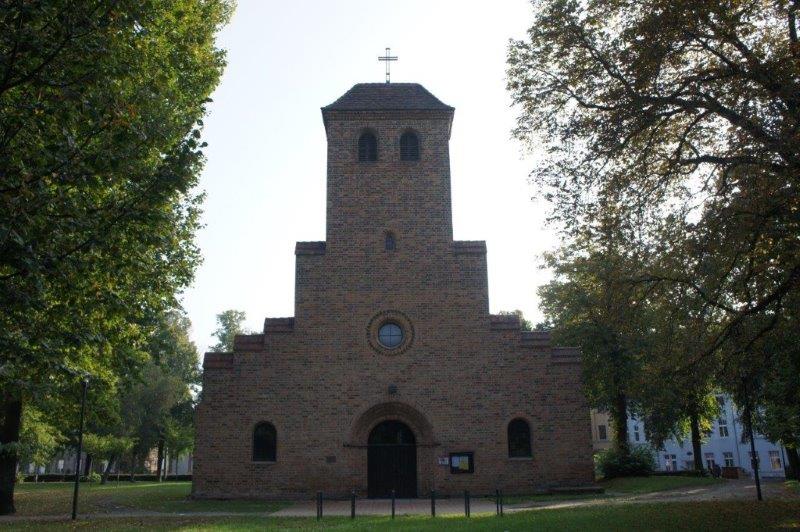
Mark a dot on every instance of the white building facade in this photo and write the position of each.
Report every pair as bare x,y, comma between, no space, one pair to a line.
725,445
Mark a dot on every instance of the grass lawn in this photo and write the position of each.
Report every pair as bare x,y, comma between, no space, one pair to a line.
619,487
55,498
793,485
735,515
639,485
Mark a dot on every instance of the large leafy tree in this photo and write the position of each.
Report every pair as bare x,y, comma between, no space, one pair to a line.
39,440
681,399
153,409
770,386
686,108
100,114
591,303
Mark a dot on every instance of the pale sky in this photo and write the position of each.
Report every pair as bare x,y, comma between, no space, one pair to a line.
265,175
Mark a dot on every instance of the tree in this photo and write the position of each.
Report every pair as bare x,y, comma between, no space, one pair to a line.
679,401
590,304
109,447
146,411
524,324
681,116
229,324
157,411
773,386
686,108
39,440
101,106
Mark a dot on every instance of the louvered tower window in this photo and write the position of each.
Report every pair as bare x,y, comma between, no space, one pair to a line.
367,147
409,146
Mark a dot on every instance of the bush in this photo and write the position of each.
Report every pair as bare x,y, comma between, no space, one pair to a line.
93,477
640,462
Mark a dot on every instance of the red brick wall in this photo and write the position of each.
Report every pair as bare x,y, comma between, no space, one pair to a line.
321,383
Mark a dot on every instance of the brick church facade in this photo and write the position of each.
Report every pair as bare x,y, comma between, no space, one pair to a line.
392,374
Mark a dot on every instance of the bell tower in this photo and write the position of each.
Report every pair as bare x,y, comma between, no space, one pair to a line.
388,169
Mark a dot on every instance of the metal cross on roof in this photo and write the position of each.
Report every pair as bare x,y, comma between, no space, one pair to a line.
388,58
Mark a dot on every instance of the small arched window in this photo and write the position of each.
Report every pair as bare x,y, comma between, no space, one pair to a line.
264,442
390,241
367,147
519,439
409,146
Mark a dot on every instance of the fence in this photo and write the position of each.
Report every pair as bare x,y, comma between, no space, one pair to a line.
320,503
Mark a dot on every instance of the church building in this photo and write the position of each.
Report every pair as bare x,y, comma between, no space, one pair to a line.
392,375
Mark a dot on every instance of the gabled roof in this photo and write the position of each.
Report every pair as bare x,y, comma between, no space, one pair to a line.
387,97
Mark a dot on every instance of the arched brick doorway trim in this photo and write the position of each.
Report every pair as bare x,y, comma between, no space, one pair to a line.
372,416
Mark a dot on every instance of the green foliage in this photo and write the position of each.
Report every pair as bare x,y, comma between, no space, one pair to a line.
93,477
39,440
774,381
171,348
591,303
674,125
101,108
524,324
106,447
229,324
147,405
638,462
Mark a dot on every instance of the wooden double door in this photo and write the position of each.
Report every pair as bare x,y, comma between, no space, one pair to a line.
392,461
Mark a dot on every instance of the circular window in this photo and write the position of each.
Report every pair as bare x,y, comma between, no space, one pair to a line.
390,332
390,335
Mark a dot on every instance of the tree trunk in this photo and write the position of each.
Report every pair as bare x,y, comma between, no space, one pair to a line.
107,470
697,451
87,470
619,422
167,457
133,467
10,419
160,466
794,464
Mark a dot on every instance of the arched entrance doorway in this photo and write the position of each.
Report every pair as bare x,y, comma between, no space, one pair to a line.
392,460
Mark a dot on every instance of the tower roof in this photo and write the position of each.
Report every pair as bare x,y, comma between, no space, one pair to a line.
387,97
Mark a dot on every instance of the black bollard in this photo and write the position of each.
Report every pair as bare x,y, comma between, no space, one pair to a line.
497,502
466,503
353,504
319,505
501,504
433,503
392,504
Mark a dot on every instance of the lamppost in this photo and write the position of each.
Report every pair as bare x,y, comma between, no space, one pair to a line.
85,385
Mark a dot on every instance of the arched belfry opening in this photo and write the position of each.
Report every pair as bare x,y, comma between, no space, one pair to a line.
392,460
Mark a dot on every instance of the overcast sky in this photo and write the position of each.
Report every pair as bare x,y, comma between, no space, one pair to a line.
265,175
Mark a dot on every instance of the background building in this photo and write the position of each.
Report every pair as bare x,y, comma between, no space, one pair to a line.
725,445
